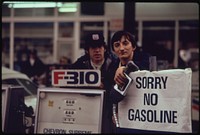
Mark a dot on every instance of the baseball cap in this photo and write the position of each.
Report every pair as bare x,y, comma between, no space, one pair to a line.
94,40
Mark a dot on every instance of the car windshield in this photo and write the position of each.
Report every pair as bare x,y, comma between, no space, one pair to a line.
30,87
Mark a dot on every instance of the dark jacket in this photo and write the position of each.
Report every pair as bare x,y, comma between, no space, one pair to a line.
84,63
37,69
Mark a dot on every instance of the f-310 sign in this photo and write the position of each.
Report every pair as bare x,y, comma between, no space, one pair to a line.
76,78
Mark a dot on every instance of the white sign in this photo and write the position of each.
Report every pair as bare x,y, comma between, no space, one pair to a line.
158,101
76,78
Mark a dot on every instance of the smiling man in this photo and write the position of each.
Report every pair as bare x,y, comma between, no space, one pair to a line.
124,45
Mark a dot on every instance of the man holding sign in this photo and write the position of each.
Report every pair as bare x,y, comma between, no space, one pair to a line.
124,46
156,101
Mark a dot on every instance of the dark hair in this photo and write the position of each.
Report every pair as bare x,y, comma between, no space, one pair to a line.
33,52
119,34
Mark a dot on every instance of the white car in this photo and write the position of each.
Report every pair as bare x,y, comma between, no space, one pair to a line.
16,78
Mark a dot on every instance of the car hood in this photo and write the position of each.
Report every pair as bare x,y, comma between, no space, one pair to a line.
8,73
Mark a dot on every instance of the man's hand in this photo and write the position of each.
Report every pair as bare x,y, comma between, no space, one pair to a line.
120,78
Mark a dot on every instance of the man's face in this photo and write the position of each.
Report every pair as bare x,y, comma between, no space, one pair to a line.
97,54
123,48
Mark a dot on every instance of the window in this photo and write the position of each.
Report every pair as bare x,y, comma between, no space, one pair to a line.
158,40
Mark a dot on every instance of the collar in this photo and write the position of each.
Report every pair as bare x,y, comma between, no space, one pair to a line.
97,66
120,64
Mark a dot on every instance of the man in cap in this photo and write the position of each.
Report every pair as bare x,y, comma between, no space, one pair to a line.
97,57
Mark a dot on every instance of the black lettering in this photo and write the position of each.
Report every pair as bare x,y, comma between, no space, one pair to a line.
74,77
164,81
143,113
54,131
130,115
174,116
150,99
137,115
147,98
79,132
157,82
138,84
167,117
81,78
161,116
88,77
154,96
149,115
144,80
150,81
